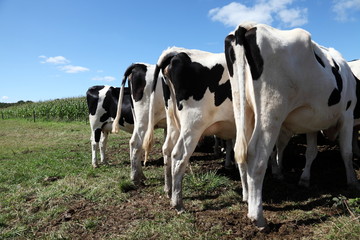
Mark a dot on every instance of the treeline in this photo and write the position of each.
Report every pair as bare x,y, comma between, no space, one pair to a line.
66,109
5,105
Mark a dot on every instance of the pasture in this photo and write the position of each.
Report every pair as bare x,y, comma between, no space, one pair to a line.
49,190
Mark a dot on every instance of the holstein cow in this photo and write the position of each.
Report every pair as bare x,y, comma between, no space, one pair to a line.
282,80
311,139
102,104
198,103
140,77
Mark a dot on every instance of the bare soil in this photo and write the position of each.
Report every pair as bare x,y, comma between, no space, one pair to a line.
280,198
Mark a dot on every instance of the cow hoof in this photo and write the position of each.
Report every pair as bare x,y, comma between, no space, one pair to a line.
179,210
178,207
265,229
304,183
95,165
138,182
261,225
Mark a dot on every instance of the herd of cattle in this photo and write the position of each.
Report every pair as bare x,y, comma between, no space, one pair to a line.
268,85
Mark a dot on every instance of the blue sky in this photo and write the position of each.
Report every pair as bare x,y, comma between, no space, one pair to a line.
59,48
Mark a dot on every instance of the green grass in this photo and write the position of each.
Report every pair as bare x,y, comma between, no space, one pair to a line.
46,172
44,166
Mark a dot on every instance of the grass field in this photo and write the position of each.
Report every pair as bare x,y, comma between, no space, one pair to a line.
48,190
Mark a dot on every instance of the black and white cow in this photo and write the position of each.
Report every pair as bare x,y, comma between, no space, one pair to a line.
311,139
102,104
198,103
141,77
284,81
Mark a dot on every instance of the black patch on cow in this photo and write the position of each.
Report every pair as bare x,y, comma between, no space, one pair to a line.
97,134
92,98
166,92
335,97
253,55
230,54
191,79
110,105
348,105
247,38
126,112
319,60
240,35
336,94
222,93
338,78
357,106
138,81
156,75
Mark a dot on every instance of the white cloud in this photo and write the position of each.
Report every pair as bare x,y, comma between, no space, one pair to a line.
263,11
344,9
4,98
73,69
55,60
104,79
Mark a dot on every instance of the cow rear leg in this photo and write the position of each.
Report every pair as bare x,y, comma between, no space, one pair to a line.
95,139
94,147
345,142
229,158
102,145
259,149
136,155
183,149
277,159
169,143
310,155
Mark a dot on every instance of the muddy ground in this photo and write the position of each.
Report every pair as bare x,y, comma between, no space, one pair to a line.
327,180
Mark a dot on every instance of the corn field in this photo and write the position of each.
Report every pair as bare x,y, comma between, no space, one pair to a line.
66,109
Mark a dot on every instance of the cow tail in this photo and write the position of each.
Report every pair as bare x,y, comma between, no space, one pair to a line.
163,61
149,135
115,125
237,66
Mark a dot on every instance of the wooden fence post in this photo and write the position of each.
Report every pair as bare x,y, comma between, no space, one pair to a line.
34,115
